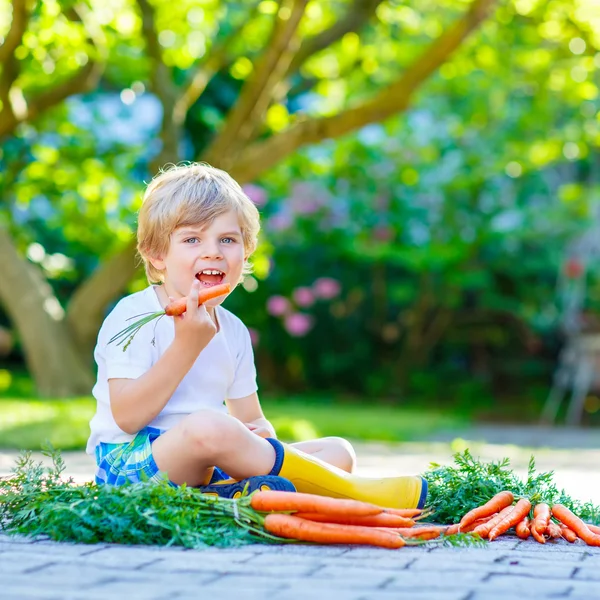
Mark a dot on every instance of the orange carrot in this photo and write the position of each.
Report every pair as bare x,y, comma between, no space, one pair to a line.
553,530
541,517
517,514
421,532
523,528
497,503
568,534
409,513
173,309
593,528
453,529
291,527
538,537
310,503
573,522
381,520
484,529
178,307
423,535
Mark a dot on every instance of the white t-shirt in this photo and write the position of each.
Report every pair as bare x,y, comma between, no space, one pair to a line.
223,370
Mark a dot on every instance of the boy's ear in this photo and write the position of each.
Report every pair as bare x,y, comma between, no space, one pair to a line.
157,263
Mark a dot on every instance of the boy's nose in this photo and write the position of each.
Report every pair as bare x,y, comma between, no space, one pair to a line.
210,250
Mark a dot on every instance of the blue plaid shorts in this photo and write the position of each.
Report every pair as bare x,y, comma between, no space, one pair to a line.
133,461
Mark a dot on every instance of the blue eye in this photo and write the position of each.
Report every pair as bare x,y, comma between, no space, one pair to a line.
228,240
192,239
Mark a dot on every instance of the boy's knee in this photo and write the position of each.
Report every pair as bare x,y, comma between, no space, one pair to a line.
206,430
345,453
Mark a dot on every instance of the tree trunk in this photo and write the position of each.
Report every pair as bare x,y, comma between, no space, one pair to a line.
53,360
87,307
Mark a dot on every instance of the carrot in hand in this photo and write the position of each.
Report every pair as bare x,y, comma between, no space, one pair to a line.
274,501
173,309
523,528
291,527
497,503
512,518
573,522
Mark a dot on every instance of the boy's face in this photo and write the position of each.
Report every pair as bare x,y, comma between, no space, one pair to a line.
212,254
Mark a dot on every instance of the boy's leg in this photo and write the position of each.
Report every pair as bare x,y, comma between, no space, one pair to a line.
335,451
314,476
206,438
189,450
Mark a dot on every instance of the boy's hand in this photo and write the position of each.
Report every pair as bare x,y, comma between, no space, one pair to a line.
194,328
260,430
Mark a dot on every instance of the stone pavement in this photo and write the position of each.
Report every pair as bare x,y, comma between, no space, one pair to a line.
507,568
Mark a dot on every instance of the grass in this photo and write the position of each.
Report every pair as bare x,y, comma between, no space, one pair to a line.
26,422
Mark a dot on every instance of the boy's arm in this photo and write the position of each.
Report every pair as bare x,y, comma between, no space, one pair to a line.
136,402
249,412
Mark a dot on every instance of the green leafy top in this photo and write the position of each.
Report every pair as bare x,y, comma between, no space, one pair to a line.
36,500
456,489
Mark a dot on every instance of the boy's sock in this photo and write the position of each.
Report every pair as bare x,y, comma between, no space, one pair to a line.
232,488
314,476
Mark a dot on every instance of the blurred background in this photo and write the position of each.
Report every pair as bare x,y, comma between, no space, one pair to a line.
428,175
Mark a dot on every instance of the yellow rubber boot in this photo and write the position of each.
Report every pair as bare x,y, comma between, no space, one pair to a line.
314,476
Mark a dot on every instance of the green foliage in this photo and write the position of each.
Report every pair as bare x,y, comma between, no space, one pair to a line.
455,490
36,501
444,226
27,421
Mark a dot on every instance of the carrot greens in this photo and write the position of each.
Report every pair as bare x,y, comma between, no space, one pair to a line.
470,483
36,500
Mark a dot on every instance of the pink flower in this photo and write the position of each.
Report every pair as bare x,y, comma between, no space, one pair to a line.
383,233
298,324
255,193
254,336
303,297
280,222
326,288
278,306
307,198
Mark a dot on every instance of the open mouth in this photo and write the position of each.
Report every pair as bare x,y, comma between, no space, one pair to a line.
210,277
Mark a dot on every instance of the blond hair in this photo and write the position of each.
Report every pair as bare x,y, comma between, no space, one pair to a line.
190,194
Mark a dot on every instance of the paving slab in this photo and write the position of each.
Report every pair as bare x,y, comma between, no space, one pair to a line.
40,569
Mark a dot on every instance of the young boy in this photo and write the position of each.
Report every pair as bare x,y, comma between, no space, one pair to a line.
181,399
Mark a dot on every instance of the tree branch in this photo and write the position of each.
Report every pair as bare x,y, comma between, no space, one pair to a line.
20,18
358,14
258,157
161,84
82,81
258,90
217,60
86,308
10,66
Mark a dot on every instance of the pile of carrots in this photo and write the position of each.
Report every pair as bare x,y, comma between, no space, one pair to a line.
500,515
324,520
